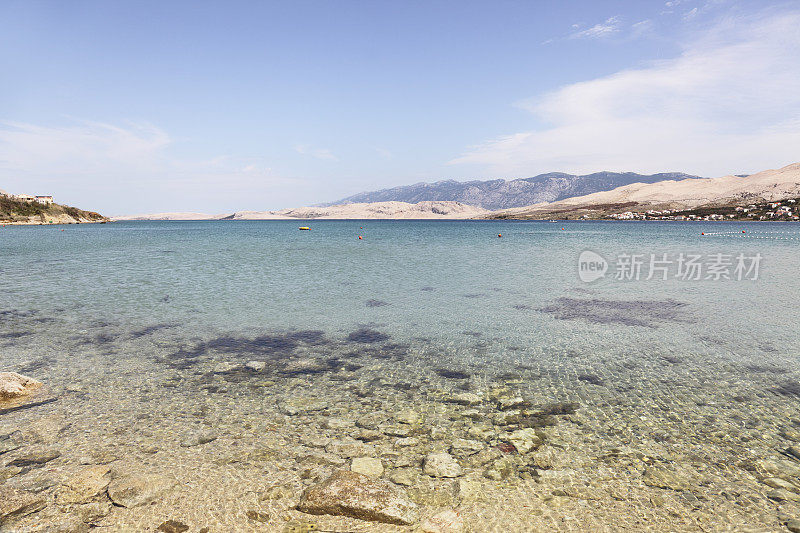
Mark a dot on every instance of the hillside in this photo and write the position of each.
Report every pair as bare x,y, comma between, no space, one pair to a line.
13,211
671,195
504,194
377,210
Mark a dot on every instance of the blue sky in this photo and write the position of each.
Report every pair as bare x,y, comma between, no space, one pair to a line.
132,107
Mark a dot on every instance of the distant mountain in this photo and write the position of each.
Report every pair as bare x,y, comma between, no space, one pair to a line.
504,194
766,186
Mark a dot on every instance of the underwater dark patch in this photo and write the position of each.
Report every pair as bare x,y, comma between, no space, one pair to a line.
427,289
472,333
15,335
643,313
522,307
390,350
150,330
594,379
308,336
376,303
766,369
473,295
367,336
451,374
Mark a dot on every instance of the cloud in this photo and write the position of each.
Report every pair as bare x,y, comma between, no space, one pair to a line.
689,15
730,102
319,153
604,29
123,168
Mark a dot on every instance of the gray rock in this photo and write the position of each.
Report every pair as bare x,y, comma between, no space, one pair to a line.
396,430
402,476
133,490
223,367
504,404
441,464
321,458
358,496
408,416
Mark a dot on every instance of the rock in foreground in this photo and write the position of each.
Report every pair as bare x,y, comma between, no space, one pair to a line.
13,385
358,496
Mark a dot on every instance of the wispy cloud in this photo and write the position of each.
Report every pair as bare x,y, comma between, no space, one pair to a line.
729,102
115,167
603,29
319,153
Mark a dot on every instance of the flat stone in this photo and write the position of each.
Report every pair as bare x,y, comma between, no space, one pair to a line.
507,418
405,442
35,458
223,367
465,398
504,404
321,458
172,526
524,440
134,490
369,466
296,406
465,447
402,476
358,496
662,478
447,521
337,423
15,502
408,416
84,486
793,525
396,430
441,464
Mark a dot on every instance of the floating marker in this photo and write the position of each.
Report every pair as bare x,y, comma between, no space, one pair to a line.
499,234
360,237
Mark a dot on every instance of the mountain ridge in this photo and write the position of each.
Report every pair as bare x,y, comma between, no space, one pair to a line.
504,194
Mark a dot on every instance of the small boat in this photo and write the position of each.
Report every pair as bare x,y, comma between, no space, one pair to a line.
306,228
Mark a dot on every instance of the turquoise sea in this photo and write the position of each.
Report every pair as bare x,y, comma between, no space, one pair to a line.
128,324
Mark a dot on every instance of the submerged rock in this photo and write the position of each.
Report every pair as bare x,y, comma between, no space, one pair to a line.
358,496
369,466
447,521
85,486
18,503
138,489
524,440
662,478
13,385
196,439
441,464
35,458
172,526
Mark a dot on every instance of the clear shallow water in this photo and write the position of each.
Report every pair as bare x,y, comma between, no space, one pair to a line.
127,321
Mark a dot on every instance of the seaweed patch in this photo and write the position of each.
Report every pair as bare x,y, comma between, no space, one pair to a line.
643,313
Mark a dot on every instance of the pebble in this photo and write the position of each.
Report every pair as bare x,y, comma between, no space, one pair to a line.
256,366
662,478
465,398
465,447
172,526
524,440
407,416
441,464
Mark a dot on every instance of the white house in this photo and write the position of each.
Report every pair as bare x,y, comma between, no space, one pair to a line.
45,200
25,198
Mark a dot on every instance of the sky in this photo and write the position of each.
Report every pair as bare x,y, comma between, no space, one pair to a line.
131,107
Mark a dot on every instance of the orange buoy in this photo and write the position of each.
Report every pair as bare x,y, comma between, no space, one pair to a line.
499,234
742,231
702,234
360,237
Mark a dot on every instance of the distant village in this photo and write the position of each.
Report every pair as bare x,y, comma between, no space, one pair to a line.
44,200
783,210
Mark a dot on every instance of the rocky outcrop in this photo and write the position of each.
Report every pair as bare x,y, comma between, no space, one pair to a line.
15,503
356,495
134,490
13,386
